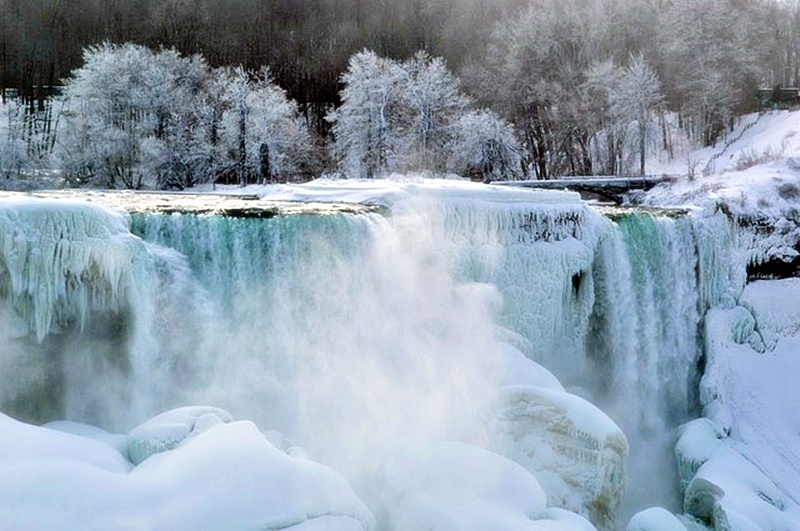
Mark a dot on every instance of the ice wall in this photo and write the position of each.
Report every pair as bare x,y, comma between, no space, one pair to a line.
738,464
88,314
69,275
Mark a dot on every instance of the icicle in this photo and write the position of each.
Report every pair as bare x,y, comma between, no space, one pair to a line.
60,259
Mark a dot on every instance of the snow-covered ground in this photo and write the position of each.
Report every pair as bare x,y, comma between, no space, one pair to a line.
756,168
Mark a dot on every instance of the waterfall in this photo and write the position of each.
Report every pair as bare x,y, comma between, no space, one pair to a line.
644,346
348,332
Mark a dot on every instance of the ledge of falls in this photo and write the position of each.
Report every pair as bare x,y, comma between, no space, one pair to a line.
230,205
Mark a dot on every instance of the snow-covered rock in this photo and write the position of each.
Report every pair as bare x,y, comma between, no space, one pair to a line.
655,519
227,476
168,430
576,451
457,487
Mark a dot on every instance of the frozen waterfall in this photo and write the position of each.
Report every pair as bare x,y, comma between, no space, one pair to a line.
531,326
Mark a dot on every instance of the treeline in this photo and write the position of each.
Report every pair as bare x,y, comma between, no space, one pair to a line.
587,86
305,43
132,117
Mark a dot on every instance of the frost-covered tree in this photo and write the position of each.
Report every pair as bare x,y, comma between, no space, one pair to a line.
485,145
237,89
432,102
531,73
365,126
713,63
607,128
636,98
623,101
180,128
141,118
261,131
124,108
13,151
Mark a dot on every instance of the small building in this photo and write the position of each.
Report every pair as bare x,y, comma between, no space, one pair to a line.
778,97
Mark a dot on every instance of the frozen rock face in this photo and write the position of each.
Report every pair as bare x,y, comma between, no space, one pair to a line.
88,312
576,452
68,277
59,260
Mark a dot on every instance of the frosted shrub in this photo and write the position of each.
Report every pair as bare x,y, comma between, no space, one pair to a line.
751,157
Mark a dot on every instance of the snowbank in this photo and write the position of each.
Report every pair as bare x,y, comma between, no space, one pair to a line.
227,477
385,192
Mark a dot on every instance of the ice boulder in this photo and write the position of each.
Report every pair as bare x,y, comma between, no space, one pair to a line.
697,442
167,430
575,451
655,519
450,486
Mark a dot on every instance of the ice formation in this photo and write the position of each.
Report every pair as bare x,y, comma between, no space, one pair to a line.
61,260
171,429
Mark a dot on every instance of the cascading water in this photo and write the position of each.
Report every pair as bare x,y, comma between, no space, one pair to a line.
643,345
349,333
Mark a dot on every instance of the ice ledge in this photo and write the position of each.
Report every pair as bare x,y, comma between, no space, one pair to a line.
241,206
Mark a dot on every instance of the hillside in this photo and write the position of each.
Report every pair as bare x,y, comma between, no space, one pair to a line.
756,168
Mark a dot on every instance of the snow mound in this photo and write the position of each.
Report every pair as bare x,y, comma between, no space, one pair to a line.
228,476
729,492
655,519
455,486
168,430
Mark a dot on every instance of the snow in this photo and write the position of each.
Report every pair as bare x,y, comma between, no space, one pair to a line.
655,519
773,146
453,486
228,477
393,190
